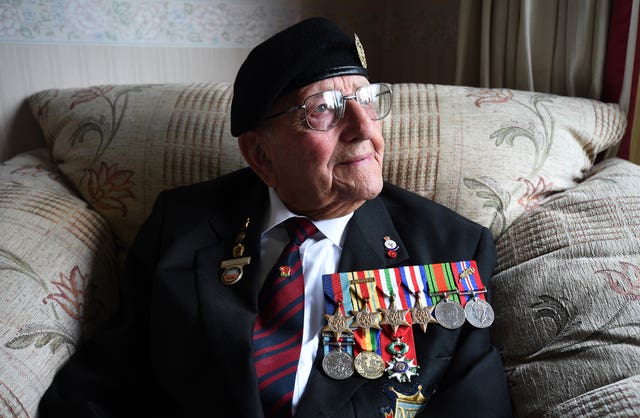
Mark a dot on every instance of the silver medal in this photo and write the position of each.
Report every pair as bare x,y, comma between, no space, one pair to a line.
449,314
479,313
338,364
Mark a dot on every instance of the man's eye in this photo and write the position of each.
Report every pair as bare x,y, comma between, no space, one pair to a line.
321,108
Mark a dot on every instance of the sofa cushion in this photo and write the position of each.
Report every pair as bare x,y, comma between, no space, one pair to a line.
490,154
616,400
57,275
567,294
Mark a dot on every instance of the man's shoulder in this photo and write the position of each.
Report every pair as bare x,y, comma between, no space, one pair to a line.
409,206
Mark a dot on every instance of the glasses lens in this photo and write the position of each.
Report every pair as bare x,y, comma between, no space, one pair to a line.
322,110
375,99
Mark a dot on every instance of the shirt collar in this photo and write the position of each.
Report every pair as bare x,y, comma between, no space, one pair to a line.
333,229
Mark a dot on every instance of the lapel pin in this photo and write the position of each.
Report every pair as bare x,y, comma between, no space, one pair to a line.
233,268
391,247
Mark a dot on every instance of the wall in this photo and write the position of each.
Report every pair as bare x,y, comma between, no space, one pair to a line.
75,43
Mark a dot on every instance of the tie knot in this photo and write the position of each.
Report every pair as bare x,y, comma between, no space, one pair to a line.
299,229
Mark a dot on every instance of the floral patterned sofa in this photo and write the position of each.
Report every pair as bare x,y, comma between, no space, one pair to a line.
526,165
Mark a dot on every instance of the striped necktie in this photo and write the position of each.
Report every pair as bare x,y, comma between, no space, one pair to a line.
277,333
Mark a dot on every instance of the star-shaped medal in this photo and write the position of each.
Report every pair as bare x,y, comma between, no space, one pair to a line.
394,317
338,323
366,319
422,315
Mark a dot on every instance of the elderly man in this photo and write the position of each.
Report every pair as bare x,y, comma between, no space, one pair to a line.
303,285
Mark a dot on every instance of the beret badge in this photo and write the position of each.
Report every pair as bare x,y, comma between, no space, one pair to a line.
360,49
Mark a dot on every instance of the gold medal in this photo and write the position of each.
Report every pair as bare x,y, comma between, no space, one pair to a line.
369,365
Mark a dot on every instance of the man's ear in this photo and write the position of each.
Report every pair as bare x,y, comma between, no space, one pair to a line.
255,150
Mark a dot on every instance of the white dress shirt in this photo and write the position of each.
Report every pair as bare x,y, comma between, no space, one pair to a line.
320,255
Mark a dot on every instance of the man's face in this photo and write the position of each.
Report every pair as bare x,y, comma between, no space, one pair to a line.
322,174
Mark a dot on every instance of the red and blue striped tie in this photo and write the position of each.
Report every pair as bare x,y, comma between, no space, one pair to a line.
277,333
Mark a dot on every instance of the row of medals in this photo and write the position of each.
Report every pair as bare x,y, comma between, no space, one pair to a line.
339,364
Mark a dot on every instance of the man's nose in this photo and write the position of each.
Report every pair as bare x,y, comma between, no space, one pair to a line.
356,120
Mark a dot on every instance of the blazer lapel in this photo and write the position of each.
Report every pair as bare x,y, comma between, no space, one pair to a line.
227,312
363,250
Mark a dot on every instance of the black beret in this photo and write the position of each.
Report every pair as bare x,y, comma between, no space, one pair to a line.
304,53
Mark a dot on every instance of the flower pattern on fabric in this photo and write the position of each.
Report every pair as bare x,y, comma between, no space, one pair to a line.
539,132
75,296
109,187
532,197
625,281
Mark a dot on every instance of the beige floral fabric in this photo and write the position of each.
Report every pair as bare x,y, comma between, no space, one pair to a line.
567,299
493,154
57,275
121,145
488,154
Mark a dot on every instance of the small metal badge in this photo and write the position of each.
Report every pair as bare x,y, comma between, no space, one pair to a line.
360,49
369,365
449,314
391,247
479,313
338,364
233,269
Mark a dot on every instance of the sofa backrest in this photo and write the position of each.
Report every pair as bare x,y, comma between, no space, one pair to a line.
490,154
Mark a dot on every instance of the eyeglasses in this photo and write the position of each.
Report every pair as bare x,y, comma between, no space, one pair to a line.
323,111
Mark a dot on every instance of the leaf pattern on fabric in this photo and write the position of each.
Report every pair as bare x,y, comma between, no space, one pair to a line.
540,134
494,197
10,261
41,335
103,128
569,339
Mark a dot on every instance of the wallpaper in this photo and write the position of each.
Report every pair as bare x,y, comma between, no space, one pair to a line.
207,23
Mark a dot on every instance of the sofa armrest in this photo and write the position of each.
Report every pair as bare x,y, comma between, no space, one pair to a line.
58,271
567,292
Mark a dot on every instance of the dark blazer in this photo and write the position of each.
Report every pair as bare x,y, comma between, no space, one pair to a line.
181,342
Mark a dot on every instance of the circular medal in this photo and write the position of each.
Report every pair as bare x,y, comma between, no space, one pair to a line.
338,364
369,365
449,314
479,313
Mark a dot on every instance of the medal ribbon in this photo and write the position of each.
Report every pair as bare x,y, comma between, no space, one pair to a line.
441,278
363,285
390,285
423,281
468,279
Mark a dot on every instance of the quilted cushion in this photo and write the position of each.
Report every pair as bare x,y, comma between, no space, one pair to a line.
567,299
